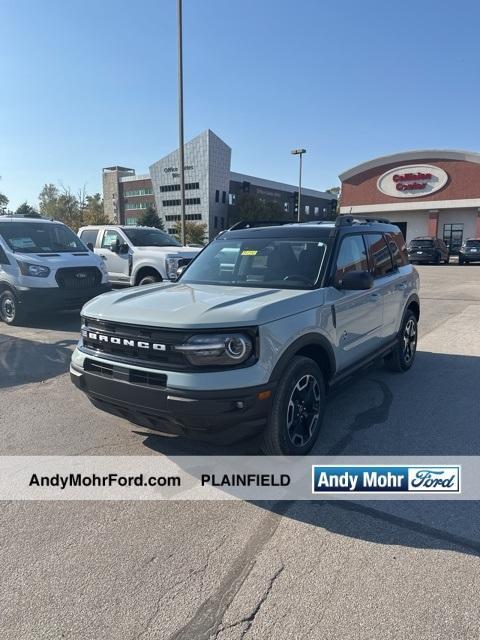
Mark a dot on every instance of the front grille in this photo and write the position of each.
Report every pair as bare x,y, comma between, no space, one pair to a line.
78,278
169,358
134,376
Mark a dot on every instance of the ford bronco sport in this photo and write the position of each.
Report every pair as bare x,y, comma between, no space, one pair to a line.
257,330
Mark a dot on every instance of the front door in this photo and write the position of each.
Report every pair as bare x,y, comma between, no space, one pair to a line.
453,236
117,263
358,314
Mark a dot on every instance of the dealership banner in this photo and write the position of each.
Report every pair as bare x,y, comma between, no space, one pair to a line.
239,477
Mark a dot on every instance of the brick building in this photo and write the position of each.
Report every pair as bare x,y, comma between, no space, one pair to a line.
427,193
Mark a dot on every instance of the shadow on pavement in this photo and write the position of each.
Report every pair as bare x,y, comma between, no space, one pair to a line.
23,361
431,410
55,321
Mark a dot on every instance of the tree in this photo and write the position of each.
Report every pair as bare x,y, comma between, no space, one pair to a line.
150,218
27,211
92,212
334,191
249,207
48,200
63,206
3,203
195,232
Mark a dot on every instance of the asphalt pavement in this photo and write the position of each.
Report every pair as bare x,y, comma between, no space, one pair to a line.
233,570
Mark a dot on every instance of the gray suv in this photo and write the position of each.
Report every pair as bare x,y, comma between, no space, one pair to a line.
257,330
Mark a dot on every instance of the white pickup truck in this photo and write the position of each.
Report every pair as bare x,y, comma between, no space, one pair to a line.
137,255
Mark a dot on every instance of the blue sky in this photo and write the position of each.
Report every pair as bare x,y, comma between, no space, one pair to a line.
91,83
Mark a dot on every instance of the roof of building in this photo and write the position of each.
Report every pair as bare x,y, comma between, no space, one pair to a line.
272,184
406,156
134,178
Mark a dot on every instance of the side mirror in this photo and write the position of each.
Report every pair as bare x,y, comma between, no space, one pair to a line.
181,271
123,248
90,246
356,281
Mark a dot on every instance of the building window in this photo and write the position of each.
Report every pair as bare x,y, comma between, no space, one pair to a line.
224,197
316,211
215,224
131,221
286,207
222,222
188,216
178,202
138,192
307,209
453,236
138,205
164,188
217,196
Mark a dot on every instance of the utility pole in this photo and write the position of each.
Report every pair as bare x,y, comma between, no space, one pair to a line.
299,152
180,121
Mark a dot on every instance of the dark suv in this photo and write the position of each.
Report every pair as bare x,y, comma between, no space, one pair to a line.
469,251
428,250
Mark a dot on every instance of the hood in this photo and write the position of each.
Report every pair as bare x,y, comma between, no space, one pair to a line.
61,260
185,252
195,306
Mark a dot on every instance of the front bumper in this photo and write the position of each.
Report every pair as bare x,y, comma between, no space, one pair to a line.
46,298
422,258
224,416
469,257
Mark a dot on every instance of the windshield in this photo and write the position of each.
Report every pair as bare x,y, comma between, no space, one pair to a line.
150,238
473,243
261,262
40,237
422,243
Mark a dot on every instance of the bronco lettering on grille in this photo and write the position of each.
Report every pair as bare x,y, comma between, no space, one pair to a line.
125,342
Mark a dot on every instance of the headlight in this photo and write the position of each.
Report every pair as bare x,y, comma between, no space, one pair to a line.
36,270
171,267
221,349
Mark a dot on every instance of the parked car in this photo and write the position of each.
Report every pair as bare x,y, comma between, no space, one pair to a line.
260,326
44,266
137,255
469,251
428,250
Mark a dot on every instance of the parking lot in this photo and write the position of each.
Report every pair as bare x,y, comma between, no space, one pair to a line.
239,570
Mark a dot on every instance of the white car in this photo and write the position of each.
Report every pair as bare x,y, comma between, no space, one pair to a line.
136,255
44,266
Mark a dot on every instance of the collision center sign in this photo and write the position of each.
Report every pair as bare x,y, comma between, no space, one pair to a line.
412,181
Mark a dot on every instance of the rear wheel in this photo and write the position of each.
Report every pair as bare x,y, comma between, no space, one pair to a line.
403,355
9,308
297,410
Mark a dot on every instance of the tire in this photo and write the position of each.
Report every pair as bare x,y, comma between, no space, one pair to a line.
403,355
300,395
10,312
150,279
461,261
447,260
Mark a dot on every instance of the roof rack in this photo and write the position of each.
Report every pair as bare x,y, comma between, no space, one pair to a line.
347,219
250,224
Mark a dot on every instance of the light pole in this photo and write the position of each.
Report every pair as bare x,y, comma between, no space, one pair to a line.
299,152
180,122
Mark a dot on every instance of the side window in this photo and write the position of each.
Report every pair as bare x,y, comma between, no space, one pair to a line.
351,257
110,237
3,257
89,235
397,249
379,255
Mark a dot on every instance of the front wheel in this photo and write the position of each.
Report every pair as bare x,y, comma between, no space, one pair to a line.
9,309
403,354
297,410
150,279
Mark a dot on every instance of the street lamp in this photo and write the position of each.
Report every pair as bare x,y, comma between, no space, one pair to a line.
180,121
299,152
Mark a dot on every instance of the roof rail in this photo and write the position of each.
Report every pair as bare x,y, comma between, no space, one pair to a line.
250,224
347,219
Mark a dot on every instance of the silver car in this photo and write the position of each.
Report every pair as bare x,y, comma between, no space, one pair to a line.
254,334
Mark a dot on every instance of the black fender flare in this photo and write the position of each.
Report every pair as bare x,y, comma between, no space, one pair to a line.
307,340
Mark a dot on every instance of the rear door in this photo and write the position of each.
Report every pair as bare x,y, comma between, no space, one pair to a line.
388,283
358,315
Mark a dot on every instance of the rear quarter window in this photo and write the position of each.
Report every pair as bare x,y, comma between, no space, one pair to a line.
398,249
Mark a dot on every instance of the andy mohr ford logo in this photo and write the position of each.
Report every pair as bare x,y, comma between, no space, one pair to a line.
125,342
